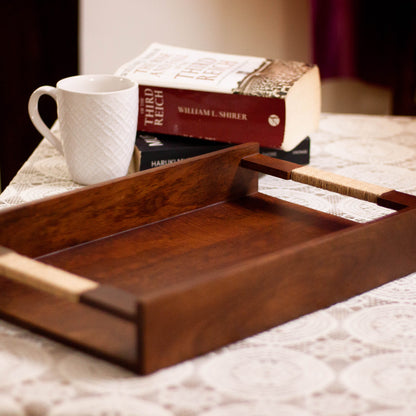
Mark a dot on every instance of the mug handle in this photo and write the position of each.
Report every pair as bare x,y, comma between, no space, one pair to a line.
37,119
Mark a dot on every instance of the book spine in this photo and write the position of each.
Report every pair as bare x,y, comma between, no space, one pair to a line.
152,159
231,118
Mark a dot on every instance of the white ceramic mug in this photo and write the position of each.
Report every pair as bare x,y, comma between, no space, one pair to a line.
97,117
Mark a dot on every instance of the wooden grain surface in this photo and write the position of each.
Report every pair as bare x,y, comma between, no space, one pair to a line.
269,290
141,198
103,335
149,258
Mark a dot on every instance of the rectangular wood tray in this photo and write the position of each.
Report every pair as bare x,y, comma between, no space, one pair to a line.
167,264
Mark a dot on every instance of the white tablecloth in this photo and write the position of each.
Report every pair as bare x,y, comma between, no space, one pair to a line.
354,358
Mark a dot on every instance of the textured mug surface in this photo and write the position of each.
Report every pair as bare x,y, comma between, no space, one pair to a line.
98,121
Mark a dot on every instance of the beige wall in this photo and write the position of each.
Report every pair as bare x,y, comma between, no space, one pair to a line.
114,31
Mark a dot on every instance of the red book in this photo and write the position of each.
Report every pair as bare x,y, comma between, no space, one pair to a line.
229,98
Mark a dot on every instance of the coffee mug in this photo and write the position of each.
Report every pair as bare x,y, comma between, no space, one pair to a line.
97,117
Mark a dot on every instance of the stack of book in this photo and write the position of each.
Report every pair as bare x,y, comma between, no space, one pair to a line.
192,102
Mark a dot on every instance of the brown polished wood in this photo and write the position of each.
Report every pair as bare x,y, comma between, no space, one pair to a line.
275,167
197,255
396,200
142,198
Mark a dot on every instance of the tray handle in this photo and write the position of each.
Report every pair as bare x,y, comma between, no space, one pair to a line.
309,175
69,286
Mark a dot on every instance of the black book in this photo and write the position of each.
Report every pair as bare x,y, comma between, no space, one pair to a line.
155,150
300,154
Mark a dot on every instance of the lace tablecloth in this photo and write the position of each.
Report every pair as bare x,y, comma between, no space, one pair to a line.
354,358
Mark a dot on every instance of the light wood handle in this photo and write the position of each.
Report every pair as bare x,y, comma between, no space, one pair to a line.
66,285
314,177
42,276
337,183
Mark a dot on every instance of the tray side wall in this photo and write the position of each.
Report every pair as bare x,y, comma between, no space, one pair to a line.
274,289
76,217
73,324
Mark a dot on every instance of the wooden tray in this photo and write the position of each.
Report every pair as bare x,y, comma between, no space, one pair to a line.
166,264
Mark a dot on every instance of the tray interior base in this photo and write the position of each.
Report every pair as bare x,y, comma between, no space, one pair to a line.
148,258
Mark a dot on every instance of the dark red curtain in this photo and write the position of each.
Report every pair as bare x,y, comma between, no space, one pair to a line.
39,41
374,41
